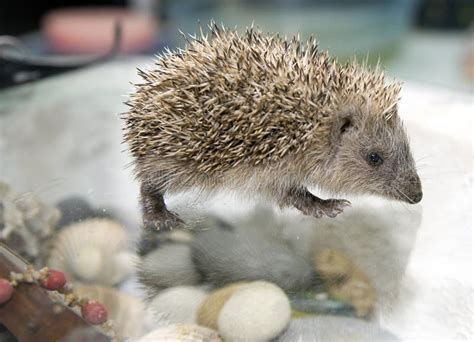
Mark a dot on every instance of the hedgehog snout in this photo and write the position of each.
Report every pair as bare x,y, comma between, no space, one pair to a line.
417,198
414,191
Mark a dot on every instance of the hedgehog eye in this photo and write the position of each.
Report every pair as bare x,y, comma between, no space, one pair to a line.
374,159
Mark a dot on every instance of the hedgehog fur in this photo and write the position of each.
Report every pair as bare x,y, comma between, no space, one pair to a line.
266,114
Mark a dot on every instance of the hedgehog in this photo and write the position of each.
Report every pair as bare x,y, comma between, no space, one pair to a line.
266,115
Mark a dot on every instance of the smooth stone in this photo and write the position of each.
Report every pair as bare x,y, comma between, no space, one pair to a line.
258,311
225,256
332,328
170,265
209,310
177,305
76,209
153,239
325,306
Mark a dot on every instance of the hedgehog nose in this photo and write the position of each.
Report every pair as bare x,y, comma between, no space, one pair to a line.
417,198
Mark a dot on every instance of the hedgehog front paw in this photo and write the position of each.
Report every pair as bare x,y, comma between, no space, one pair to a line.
332,207
318,207
165,220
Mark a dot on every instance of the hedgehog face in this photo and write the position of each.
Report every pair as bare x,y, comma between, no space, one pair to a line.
372,155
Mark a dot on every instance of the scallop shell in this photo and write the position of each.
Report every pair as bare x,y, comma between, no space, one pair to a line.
182,333
93,251
126,312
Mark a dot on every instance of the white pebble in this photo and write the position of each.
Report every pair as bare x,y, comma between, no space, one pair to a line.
177,305
259,311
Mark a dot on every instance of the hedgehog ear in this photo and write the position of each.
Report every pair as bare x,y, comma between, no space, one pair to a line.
343,125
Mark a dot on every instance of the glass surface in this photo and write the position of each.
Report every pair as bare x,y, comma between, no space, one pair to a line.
380,270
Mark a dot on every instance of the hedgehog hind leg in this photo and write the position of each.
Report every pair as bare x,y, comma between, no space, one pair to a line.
156,216
309,204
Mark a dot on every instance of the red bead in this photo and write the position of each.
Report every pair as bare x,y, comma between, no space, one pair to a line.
6,291
54,281
94,313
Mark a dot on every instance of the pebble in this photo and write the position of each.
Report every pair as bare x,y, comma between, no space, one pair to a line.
76,209
151,240
259,311
183,333
228,256
320,303
209,311
332,328
177,305
169,265
6,291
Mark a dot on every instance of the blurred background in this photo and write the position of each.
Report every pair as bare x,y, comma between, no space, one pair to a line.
63,82
412,38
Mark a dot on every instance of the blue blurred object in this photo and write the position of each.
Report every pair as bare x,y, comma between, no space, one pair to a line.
345,28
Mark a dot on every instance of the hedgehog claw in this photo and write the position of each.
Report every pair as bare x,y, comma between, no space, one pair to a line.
166,220
333,207
318,208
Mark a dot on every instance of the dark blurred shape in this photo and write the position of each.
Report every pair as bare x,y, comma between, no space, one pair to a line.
76,209
6,335
445,14
22,16
18,66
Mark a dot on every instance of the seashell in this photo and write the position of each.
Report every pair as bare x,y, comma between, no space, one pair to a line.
182,333
126,312
258,311
26,223
93,251
177,305
208,312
